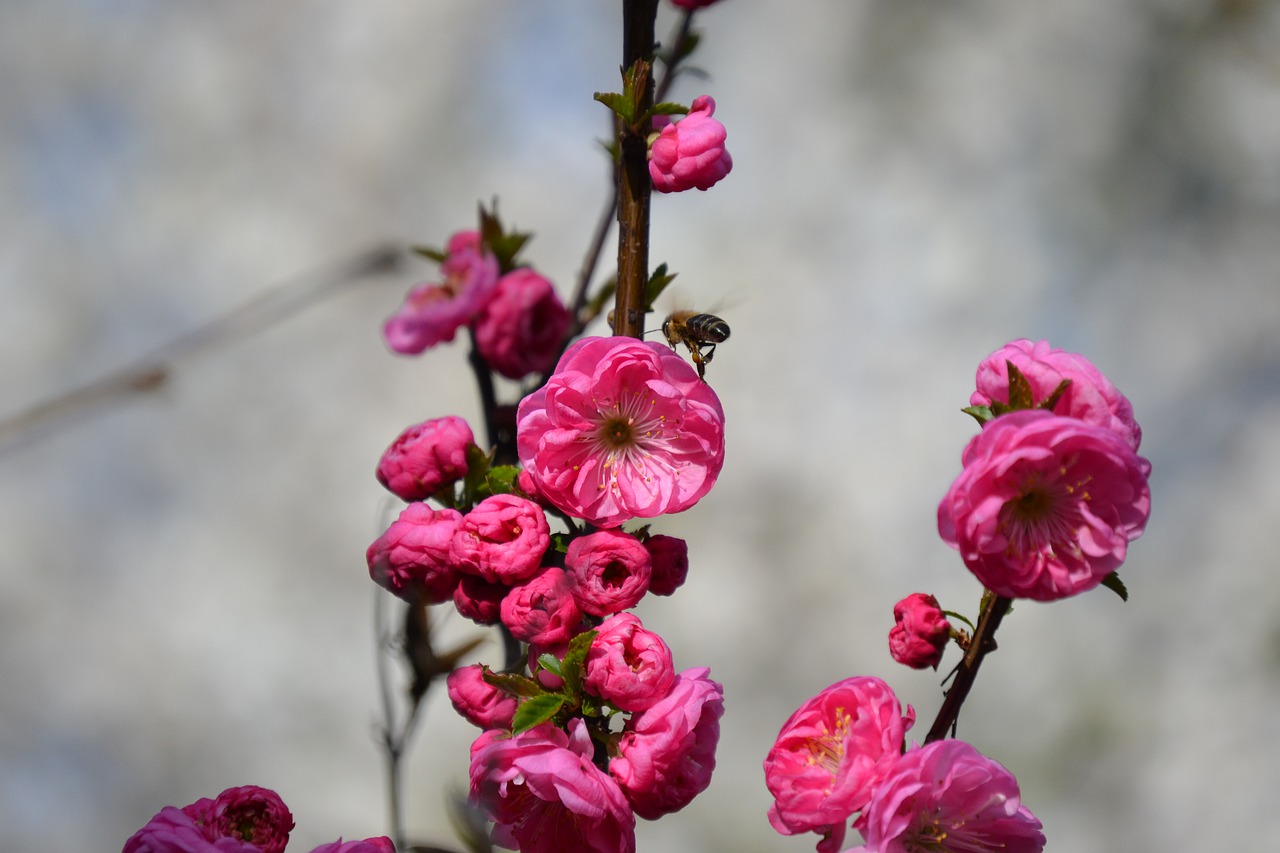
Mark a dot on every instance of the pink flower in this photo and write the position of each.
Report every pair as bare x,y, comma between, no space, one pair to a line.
690,152
1046,505
411,560
479,600
830,755
545,794
627,666
668,751
478,701
670,557
623,429
381,844
1090,396
426,457
521,327
692,4
542,609
432,313
174,831
252,814
948,790
609,570
921,631
502,539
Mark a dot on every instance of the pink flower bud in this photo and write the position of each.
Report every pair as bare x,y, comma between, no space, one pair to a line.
830,755
173,830
627,666
411,560
623,429
502,539
545,794
1046,505
542,609
667,752
690,152
947,789
609,570
381,844
425,457
479,600
433,313
520,329
670,557
921,632
478,701
1090,397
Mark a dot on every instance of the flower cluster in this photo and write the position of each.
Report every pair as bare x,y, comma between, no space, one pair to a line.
518,321
246,819
603,728
841,755
1052,489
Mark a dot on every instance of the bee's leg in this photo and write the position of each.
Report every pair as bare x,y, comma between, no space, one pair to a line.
708,353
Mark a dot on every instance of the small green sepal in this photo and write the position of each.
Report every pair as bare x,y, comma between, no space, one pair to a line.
1113,583
430,253
981,414
512,684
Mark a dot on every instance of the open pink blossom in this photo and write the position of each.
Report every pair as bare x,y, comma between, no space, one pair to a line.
479,600
667,752
545,794
520,329
411,560
830,755
1046,505
478,701
502,539
425,457
627,666
174,831
920,633
690,152
670,556
380,844
948,796
609,570
623,429
253,814
1090,396
432,313
542,609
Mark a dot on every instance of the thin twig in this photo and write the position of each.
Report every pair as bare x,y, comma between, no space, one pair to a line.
982,644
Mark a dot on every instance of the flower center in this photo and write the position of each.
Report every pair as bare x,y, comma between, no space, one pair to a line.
1044,514
827,750
617,432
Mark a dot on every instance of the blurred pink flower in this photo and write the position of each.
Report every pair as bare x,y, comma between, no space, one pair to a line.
252,814
627,666
478,701
1046,505
425,457
668,751
542,609
623,429
432,313
174,831
1090,397
545,794
521,327
948,796
830,755
502,539
670,557
690,152
692,4
411,560
609,570
921,632
479,600
381,844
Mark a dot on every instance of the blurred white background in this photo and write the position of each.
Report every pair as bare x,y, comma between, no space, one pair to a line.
184,604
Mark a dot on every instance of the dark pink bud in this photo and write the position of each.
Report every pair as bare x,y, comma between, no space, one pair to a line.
610,571
670,557
921,633
426,457
411,560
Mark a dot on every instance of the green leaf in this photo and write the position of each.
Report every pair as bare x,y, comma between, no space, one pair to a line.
550,663
1052,400
1113,583
429,252
657,283
961,617
501,479
1020,395
475,484
513,684
981,414
603,296
575,661
620,104
536,710
668,108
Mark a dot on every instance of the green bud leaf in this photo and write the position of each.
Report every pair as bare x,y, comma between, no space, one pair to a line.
657,283
574,662
501,479
550,663
430,253
961,617
620,104
981,414
1113,583
535,711
1052,400
668,108
1020,395
475,484
515,685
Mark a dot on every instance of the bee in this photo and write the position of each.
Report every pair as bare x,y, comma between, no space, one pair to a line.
698,332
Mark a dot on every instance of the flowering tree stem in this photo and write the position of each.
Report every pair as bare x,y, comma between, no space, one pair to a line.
634,186
984,641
